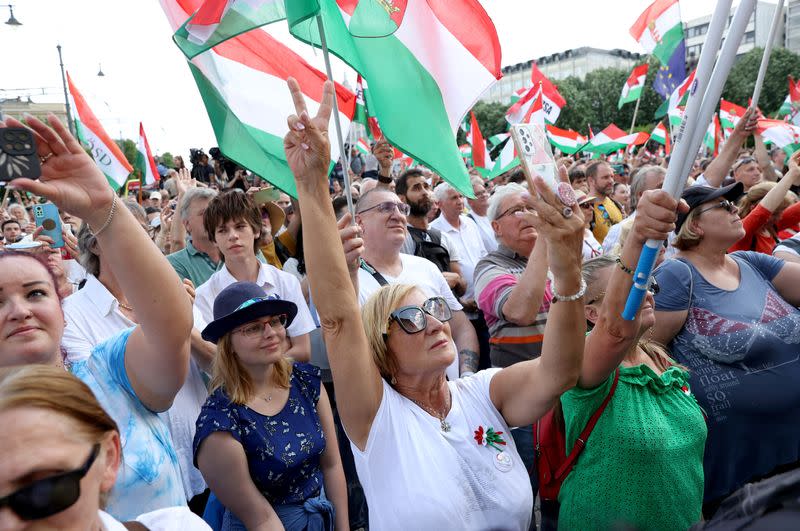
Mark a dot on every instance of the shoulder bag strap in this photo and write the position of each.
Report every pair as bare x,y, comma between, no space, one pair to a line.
374,272
580,444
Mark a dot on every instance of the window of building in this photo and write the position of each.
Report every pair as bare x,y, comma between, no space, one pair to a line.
750,36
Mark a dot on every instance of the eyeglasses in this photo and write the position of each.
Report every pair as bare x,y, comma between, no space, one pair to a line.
652,287
412,319
587,205
48,496
724,204
515,210
388,207
256,329
741,162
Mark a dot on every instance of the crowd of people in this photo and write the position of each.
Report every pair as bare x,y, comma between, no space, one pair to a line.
216,354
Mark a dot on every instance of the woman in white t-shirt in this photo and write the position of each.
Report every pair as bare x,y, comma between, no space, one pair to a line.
430,454
61,455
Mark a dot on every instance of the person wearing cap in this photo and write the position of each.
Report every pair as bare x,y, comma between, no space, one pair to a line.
154,200
732,320
265,440
766,209
591,247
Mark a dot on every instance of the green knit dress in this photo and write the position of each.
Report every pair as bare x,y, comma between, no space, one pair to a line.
643,463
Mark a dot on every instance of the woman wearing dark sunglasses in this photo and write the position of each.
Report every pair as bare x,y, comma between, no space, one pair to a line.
430,454
61,456
732,320
265,440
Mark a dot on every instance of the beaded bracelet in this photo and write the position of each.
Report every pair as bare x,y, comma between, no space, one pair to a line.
625,268
570,298
108,219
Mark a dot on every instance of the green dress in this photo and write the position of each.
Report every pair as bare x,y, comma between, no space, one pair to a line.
643,463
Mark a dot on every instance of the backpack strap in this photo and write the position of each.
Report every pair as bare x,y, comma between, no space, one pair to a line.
374,272
580,444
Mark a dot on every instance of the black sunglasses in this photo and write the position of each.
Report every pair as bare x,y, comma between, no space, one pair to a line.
412,319
730,206
48,496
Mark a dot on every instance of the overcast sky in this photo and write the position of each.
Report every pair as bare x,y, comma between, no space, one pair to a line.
146,78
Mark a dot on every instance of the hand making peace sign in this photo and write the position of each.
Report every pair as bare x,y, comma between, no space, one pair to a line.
307,146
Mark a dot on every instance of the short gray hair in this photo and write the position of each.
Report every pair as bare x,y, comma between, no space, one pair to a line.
640,181
500,193
190,196
442,190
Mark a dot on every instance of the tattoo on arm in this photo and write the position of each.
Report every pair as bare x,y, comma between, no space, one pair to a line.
468,360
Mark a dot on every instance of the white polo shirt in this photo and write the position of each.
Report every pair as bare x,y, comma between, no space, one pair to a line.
467,238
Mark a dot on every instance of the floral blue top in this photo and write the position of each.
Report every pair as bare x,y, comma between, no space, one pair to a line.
283,451
149,476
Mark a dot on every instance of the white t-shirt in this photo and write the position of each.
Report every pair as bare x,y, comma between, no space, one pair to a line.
409,246
416,476
783,248
467,238
160,520
424,275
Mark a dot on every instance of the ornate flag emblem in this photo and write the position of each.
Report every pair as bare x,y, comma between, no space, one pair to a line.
377,18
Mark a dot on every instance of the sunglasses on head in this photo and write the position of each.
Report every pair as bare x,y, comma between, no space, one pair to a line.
725,204
413,319
48,496
741,162
388,207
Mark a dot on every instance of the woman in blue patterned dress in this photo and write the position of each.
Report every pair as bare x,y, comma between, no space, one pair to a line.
265,440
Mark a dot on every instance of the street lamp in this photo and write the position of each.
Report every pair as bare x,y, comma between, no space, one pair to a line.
12,20
100,71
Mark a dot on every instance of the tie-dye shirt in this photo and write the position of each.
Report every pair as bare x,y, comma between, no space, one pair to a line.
742,349
149,476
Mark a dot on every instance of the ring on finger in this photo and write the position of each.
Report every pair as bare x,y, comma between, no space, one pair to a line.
566,194
45,158
567,212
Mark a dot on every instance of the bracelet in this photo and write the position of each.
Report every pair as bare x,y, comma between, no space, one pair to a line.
109,218
570,298
625,268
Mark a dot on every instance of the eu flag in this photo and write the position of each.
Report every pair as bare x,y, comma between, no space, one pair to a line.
672,74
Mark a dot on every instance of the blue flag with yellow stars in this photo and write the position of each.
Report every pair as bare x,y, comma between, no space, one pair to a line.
672,74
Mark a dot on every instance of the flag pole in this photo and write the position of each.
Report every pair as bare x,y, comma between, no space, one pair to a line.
684,147
639,99
762,70
337,122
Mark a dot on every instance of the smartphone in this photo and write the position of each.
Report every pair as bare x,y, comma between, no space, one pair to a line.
18,156
266,195
535,155
46,216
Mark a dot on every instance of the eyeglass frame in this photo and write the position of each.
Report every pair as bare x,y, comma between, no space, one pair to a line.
727,204
76,475
742,161
395,316
506,212
282,320
399,206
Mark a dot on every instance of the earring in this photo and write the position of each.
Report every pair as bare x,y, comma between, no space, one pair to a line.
393,381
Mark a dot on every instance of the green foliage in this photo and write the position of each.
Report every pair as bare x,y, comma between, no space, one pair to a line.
491,119
167,159
128,148
739,86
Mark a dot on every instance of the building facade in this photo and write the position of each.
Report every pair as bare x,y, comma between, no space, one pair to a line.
17,107
792,26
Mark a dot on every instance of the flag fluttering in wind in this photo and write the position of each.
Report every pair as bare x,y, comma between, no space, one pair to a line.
659,134
519,110
659,29
632,89
791,106
362,147
783,134
361,115
144,160
552,101
480,156
243,84
671,74
677,98
505,161
566,140
730,114
713,137
377,19
612,138
105,152
431,71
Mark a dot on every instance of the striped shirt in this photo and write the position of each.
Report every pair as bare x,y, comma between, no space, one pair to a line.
495,277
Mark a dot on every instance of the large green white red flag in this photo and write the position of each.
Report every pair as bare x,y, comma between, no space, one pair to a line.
144,160
423,78
612,138
480,156
566,140
105,152
659,134
659,29
730,114
243,84
783,134
216,21
552,101
632,89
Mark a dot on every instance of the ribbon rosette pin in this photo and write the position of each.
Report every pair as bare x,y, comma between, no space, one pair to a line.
489,437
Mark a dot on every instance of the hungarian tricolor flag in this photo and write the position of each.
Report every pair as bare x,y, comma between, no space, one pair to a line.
678,97
713,136
479,154
552,101
363,147
505,161
791,106
361,116
431,71
730,114
243,84
659,29
659,134
632,89
566,140
783,134
612,138
105,152
144,160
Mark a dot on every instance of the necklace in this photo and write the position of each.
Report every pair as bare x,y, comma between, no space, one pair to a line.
124,306
442,422
268,398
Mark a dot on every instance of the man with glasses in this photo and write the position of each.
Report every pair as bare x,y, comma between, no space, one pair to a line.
382,218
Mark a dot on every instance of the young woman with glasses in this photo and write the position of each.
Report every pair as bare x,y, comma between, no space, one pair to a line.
61,460
265,440
430,454
732,320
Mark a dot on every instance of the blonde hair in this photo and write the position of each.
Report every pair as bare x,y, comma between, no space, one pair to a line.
53,389
687,238
229,374
375,316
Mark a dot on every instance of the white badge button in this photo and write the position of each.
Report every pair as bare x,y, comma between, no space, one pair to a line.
503,461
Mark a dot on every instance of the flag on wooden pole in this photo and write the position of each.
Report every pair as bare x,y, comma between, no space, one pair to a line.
632,89
144,160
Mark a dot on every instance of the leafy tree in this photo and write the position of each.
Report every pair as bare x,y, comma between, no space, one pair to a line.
742,78
491,119
167,159
128,148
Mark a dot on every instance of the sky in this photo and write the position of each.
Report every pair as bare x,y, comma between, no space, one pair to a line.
147,79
